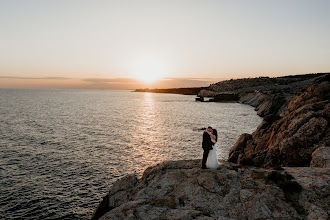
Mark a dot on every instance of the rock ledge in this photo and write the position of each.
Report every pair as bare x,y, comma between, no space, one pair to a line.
182,190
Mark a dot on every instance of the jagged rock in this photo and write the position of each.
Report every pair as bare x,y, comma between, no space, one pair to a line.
266,104
321,157
238,147
291,139
182,190
206,93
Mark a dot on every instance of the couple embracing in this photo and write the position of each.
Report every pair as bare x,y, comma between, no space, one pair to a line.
210,138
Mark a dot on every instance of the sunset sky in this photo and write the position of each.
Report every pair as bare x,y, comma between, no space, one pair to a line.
128,44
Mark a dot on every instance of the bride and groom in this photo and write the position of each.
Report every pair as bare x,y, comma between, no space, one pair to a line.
210,138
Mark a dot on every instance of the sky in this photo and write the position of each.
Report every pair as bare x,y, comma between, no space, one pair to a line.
127,44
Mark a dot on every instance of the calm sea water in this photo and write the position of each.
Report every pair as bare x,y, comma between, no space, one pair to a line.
61,150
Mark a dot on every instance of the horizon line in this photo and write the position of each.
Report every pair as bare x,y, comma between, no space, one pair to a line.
99,83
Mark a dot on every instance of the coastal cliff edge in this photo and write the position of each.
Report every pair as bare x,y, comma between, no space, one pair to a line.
281,171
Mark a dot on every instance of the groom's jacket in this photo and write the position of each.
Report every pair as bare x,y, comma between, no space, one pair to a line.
207,143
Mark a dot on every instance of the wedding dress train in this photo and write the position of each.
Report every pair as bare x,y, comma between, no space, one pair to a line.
212,160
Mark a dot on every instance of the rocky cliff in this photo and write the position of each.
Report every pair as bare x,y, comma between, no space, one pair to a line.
268,95
182,190
290,138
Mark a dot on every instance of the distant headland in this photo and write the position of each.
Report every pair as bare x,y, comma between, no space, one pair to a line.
182,91
243,85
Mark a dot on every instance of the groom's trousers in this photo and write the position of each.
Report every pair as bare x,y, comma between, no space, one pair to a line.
205,155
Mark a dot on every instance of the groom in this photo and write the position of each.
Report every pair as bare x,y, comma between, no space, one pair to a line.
207,145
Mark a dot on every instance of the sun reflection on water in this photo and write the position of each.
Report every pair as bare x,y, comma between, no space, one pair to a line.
148,112
146,132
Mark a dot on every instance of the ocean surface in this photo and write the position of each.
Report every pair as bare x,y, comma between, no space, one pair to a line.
61,150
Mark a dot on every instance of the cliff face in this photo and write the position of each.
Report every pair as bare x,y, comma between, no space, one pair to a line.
267,104
290,135
182,190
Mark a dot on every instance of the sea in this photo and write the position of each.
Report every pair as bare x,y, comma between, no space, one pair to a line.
61,150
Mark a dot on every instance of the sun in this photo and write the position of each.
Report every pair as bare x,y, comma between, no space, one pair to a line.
148,71
148,77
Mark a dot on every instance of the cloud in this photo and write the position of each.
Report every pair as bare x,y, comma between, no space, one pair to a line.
111,80
18,77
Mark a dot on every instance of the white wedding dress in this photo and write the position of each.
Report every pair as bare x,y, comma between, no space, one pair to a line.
212,160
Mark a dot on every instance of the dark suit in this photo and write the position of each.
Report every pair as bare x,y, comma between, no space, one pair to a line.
207,145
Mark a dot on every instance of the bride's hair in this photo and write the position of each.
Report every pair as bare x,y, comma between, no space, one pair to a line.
215,132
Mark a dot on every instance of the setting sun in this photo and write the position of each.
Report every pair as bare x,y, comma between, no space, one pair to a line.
148,78
148,71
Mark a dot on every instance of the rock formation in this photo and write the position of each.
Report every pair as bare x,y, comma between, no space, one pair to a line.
290,140
321,157
181,190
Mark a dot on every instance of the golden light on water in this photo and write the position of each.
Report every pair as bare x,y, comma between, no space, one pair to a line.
147,133
148,112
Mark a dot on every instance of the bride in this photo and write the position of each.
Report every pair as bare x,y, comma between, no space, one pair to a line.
212,161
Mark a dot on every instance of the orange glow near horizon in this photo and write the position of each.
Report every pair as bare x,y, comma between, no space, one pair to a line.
156,40
148,78
149,71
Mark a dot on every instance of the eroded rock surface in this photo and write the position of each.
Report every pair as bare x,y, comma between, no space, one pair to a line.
291,139
182,190
321,157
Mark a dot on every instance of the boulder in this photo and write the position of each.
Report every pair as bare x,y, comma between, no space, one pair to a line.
206,93
321,157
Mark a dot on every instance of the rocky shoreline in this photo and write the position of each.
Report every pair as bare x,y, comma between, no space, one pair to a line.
289,136
267,95
281,171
